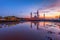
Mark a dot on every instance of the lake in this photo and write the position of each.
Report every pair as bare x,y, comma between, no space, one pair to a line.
35,30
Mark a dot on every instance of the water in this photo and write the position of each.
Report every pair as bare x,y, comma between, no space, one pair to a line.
30,31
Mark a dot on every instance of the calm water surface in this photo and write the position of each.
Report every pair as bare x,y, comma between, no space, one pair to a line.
30,31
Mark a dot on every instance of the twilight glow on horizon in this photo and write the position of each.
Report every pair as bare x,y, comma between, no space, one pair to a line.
23,8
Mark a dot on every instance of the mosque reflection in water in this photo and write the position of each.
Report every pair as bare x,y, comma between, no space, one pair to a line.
45,24
8,24
51,35
51,30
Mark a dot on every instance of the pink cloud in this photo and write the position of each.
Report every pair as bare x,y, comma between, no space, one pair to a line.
55,5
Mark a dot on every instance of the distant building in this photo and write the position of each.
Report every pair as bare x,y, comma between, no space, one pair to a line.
35,17
36,14
1,18
11,18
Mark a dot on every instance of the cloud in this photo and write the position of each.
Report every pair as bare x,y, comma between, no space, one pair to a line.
55,7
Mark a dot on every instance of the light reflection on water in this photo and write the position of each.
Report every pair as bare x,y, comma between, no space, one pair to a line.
30,31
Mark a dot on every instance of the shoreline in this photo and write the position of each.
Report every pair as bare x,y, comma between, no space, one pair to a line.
32,21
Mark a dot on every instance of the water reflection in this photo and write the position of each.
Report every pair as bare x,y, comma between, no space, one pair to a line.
52,28
33,30
46,24
35,23
9,24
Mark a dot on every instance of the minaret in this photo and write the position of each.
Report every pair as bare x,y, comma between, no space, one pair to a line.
37,13
44,16
31,14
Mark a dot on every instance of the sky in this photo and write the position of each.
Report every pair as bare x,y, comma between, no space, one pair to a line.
23,8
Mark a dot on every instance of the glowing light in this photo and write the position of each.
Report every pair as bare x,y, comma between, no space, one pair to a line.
50,13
